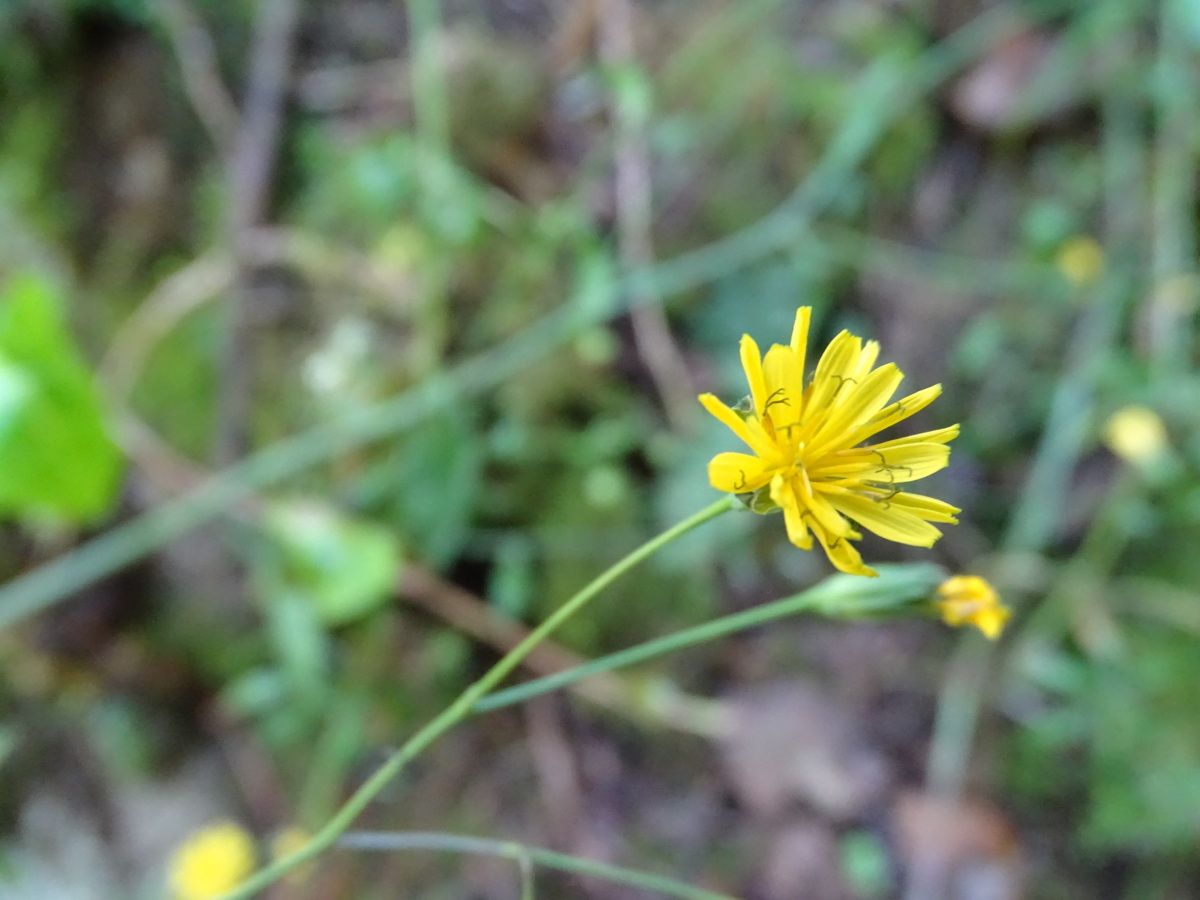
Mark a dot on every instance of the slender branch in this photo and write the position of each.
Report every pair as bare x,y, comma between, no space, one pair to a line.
461,708
471,615
847,596
632,196
251,170
522,854
201,74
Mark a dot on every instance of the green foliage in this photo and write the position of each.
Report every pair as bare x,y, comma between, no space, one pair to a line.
428,487
458,202
58,459
1143,709
865,863
1129,720
342,568
372,182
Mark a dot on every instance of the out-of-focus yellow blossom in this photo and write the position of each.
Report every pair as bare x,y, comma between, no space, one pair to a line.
970,600
1080,260
213,860
808,454
1136,434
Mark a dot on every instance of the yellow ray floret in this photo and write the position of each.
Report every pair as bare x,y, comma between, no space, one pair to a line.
212,861
970,600
807,454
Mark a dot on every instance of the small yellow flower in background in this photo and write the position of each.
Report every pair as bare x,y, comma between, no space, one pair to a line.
1080,260
1136,434
970,600
212,861
807,459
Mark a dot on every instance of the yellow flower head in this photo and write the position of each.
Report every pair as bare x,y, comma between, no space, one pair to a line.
1136,434
809,459
212,861
970,600
1080,259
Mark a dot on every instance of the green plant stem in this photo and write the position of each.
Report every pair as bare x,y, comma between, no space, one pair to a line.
461,708
330,758
851,596
522,854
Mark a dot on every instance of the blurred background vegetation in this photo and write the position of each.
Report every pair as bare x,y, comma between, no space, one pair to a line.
339,341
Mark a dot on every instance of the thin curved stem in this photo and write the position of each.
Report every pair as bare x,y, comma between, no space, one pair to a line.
523,855
850,596
461,708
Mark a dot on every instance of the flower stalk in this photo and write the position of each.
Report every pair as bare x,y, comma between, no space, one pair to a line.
897,589
463,706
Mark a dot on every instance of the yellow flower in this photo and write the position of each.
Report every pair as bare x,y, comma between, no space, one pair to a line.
807,456
970,600
1080,259
212,861
1136,434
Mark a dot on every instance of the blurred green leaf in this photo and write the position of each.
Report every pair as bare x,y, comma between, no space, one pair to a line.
256,692
429,485
1146,744
301,644
344,567
865,863
55,452
514,579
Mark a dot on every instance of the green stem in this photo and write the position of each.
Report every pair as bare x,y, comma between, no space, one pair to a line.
842,595
462,707
416,840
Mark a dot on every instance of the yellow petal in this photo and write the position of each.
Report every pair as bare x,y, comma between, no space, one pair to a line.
970,600
749,430
784,388
991,621
939,435
752,363
928,508
893,465
831,521
799,342
909,462
836,365
736,473
842,554
782,491
898,411
887,521
859,405
870,353
793,514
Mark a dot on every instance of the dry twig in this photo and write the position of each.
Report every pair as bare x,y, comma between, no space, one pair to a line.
651,331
